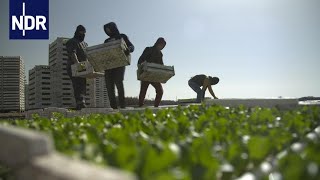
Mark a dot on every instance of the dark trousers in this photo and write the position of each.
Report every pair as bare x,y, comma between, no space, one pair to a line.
143,91
79,88
114,77
194,86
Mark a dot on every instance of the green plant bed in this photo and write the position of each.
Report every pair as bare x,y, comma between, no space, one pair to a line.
301,160
180,143
304,165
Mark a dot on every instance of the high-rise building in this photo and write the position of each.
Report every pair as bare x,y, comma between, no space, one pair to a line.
12,87
62,91
26,95
91,93
102,98
26,91
39,88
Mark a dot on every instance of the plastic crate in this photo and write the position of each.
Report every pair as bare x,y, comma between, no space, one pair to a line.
85,70
152,72
108,55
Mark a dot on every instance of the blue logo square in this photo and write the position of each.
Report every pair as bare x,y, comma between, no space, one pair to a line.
29,19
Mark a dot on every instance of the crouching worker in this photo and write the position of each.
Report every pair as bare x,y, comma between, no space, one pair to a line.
205,81
152,55
76,52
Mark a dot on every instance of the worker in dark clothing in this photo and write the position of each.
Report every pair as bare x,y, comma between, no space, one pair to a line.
205,81
152,55
76,52
114,77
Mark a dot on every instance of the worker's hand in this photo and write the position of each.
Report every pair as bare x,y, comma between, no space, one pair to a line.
126,52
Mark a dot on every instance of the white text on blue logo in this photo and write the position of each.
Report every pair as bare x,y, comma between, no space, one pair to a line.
26,22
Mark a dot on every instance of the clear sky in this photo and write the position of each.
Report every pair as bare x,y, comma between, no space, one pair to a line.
258,48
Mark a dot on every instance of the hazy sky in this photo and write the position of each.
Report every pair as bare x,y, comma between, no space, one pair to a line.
258,48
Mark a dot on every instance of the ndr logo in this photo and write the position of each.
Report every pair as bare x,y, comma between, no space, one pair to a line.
29,19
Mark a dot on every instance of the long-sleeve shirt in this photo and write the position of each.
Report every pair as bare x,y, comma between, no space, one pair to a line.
152,55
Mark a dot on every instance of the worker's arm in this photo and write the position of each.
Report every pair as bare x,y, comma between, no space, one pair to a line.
72,50
206,84
145,55
74,58
212,93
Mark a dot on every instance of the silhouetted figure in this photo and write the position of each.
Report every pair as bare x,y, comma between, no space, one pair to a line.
114,77
152,55
205,81
76,52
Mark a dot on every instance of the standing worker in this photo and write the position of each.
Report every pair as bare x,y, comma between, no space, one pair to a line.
152,55
76,52
114,77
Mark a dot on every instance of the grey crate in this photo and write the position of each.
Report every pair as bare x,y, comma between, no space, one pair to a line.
108,55
155,72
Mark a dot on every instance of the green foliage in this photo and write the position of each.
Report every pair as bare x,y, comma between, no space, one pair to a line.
259,147
186,143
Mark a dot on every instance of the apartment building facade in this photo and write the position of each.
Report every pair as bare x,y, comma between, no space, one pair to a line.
12,84
62,91
40,87
101,93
